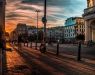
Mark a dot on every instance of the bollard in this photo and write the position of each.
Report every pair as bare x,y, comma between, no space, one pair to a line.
31,45
57,53
79,51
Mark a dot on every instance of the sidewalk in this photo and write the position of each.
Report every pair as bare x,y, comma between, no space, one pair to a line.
0,62
16,64
90,62
58,65
84,67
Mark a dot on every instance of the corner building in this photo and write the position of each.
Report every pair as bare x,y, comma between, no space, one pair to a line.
73,27
89,17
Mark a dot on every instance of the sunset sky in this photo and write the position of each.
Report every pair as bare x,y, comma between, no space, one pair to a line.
23,11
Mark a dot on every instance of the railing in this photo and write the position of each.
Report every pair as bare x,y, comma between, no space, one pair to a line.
89,10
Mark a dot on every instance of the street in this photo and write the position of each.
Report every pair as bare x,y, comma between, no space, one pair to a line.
86,52
28,61
70,49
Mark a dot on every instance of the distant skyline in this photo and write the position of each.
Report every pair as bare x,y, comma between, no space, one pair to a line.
22,11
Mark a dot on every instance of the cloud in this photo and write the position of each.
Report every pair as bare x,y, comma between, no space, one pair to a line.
57,11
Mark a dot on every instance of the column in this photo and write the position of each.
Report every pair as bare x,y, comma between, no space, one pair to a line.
94,2
93,33
88,31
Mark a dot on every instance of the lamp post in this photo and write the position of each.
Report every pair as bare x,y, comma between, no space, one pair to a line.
44,20
37,29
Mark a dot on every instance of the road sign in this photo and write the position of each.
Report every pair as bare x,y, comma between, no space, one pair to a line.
44,20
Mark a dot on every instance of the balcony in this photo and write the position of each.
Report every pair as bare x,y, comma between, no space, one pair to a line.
89,11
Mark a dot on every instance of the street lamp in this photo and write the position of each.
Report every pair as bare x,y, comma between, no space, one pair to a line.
37,29
44,20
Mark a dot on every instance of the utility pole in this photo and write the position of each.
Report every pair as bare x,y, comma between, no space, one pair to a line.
37,29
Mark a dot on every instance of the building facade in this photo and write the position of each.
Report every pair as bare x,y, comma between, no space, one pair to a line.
22,30
73,27
55,33
31,30
89,17
19,30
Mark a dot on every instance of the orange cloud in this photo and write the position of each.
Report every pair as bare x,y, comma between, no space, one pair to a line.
17,12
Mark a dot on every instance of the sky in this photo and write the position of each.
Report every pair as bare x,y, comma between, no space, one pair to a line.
23,11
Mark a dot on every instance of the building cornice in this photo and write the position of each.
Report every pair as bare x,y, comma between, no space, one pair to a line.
90,16
88,11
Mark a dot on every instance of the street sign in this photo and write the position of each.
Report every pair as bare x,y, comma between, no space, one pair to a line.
44,20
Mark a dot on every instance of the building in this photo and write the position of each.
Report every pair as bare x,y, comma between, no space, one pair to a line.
13,35
55,33
89,17
31,30
23,30
19,30
80,26
73,27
